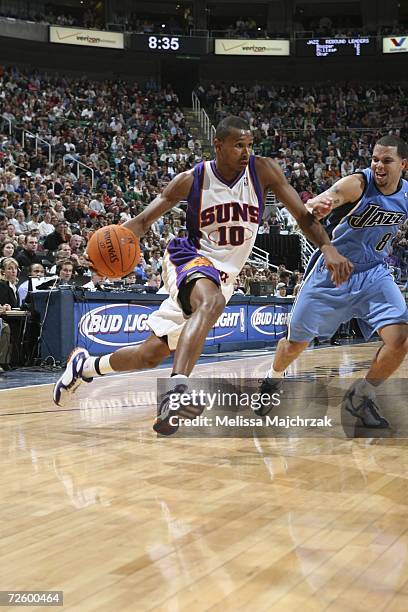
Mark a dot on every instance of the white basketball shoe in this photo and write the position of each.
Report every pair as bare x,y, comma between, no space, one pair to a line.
72,377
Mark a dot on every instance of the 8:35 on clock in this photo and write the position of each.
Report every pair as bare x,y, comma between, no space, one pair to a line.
164,43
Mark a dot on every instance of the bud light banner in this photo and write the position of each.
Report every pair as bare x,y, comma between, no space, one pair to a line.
102,328
107,327
231,325
268,322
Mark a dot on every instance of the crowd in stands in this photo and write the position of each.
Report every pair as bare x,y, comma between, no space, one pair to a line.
52,14
318,134
133,139
94,18
305,26
181,22
281,282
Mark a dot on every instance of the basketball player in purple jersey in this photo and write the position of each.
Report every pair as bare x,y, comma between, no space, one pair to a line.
367,210
225,206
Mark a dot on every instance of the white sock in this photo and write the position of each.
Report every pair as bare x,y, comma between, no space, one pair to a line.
179,376
102,363
363,387
271,373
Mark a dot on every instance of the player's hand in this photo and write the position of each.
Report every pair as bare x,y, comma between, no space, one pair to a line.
320,207
88,261
339,267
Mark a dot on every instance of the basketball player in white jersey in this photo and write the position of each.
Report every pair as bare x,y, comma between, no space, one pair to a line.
225,206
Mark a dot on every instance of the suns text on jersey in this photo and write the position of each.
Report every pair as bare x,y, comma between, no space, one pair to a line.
229,211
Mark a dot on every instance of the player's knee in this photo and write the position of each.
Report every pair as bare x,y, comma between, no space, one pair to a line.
213,304
152,363
294,348
153,360
399,344
154,354
291,346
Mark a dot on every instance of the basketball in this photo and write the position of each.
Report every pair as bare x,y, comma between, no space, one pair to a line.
114,251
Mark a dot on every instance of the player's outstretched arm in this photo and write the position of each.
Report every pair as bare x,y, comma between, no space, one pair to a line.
272,178
347,189
178,189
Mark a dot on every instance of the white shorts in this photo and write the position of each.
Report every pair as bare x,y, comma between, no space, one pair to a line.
169,319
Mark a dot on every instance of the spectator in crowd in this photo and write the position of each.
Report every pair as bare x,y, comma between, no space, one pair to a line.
75,243
130,279
155,261
264,228
45,227
36,270
5,340
34,223
8,284
29,255
8,300
95,283
57,237
7,248
66,272
153,283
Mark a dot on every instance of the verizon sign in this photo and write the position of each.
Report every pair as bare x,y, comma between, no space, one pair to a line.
259,46
86,38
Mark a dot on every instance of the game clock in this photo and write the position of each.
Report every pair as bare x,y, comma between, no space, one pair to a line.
164,43
170,44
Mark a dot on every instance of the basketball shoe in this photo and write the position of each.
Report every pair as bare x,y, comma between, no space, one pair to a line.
72,377
269,386
364,408
167,422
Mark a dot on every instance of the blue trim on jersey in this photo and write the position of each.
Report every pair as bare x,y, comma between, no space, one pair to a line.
194,204
229,184
257,186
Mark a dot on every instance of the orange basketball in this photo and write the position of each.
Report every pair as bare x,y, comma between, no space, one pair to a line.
114,251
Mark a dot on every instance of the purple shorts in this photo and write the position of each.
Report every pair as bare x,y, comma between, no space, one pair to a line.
187,261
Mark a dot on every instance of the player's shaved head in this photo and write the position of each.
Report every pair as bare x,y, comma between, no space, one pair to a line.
230,123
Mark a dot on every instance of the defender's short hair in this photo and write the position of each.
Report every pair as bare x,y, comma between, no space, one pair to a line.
230,123
394,141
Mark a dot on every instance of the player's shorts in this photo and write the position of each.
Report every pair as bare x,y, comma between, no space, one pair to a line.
370,295
181,261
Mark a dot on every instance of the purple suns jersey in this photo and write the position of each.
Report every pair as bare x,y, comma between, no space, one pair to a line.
223,218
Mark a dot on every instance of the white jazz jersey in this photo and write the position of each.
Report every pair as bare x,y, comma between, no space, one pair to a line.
223,218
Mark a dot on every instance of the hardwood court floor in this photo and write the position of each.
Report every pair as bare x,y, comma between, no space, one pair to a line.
94,504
